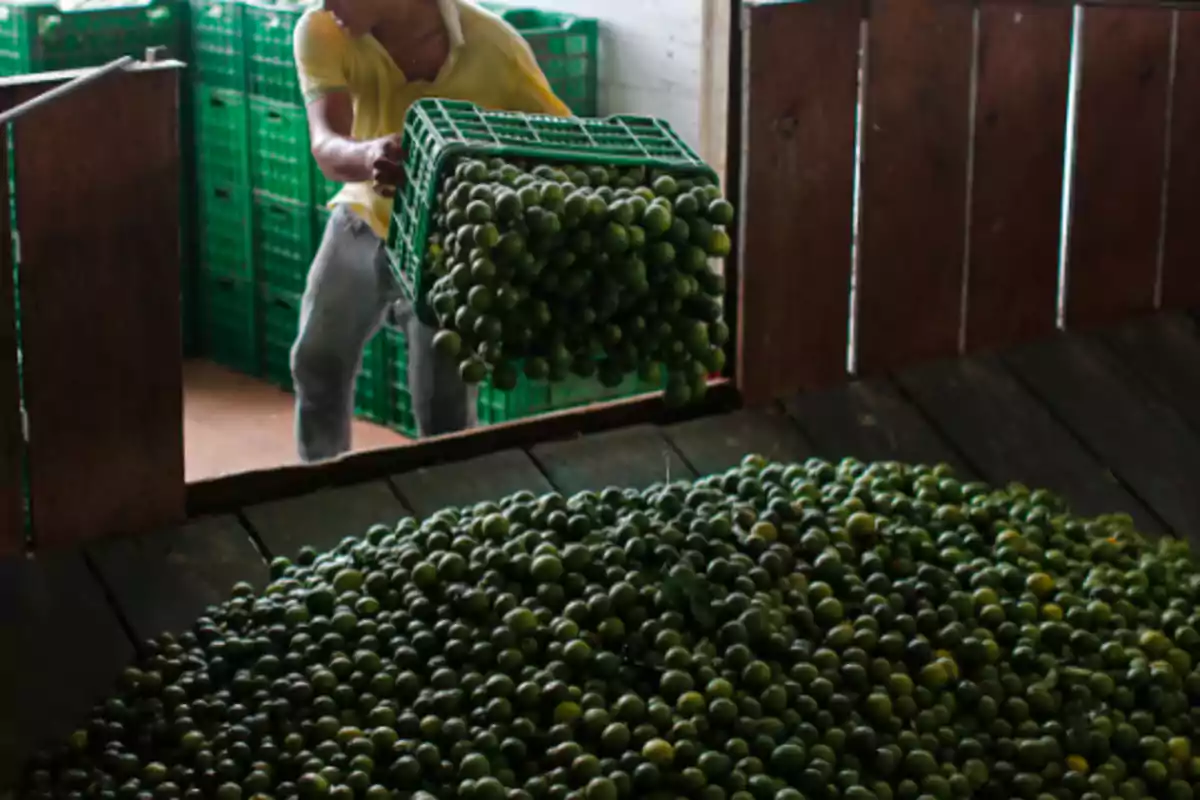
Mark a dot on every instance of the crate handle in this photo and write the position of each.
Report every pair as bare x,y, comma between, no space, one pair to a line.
157,13
281,303
274,115
278,211
216,101
223,194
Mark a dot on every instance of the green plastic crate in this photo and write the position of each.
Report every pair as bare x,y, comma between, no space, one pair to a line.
567,49
371,389
280,159
399,400
228,329
279,321
284,243
325,189
218,56
270,59
436,130
223,229
530,398
38,37
222,119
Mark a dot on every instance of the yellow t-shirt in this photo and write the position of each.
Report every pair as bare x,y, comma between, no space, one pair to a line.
489,65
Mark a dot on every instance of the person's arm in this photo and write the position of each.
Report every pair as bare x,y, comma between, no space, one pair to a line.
319,49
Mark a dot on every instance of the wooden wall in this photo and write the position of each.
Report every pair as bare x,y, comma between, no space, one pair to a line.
961,110
97,175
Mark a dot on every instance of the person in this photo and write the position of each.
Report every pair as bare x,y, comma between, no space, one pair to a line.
361,65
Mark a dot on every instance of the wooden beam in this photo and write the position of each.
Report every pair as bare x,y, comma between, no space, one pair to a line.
914,182
1181,248
796,208
99,292
12,438
1024,64
1120,136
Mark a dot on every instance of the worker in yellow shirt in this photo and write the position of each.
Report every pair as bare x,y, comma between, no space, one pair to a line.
361,64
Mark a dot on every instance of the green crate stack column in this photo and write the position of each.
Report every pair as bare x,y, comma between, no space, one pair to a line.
566,47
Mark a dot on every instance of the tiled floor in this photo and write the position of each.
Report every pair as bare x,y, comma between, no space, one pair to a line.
235,423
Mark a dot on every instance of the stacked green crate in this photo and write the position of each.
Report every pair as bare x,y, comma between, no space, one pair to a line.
566,47
227,296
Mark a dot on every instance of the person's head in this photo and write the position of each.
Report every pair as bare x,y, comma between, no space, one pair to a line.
360,17
357,17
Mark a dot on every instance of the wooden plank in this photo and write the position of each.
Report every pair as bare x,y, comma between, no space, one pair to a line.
1024,63
163,581
871,421
1142,440
797,202
465,483
12,439
713,444
1010,435
1112,266
1181,247
1164,352
629,458
100,306
914,181
61,647
323,518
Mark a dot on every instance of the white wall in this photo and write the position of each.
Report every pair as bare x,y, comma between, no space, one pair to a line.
651,57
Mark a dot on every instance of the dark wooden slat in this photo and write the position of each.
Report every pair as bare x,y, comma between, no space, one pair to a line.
100,306
1139,438
1016,202
870,420
12,444
61,647
914,179
713,444
1010,435
633,457
465,483
797,201
162,581
1164,352
1181,248
324,518
1116,215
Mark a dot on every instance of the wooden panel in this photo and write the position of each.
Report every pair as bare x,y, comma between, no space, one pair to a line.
1010,435
1164,352
914,179
61,647
1138,437
713,444
1120,135
12,444
100,306
797,204
1181,248
871,421
632,457
1016,203
163,580
465,483
324,518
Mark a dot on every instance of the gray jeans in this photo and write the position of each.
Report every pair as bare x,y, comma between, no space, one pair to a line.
351,292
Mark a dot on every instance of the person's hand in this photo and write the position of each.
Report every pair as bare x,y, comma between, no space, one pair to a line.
386,159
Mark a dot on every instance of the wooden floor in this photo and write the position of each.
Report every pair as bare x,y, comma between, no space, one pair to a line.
1111,421
235,423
